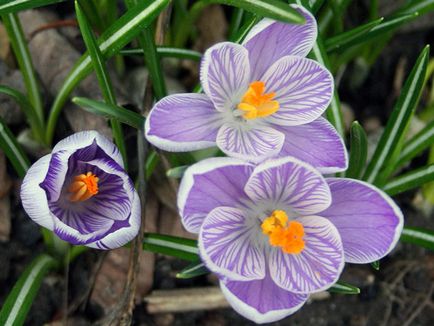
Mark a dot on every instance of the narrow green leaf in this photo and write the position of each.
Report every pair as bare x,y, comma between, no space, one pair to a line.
399,119
344,288
22,54
418,236
13,150
172,246
110,43
358,151
123,115
420,142
103,77
11,6
421,6
195,269
236,21
168,52
26,106
20,299
151,163
244,30
376,265
410,180
347,38
177,172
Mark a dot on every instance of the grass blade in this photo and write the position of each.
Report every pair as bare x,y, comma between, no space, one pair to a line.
172,246
168,52
21,51
20,299
350,37
344,288
421,6
177,172
358,151
8,6
393,134
110,111
102,75
110,43
410,180
195,269
13,150
420,142
418,236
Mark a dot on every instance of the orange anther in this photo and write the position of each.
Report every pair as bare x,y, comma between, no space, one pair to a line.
83,187
256,103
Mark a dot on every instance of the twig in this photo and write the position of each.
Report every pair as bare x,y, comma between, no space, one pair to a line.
419,307
55,24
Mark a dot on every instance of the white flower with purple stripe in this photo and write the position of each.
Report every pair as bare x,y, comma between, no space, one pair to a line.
278,231
81,192
262,99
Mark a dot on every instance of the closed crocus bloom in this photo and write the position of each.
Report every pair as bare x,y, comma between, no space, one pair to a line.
82,193
278,231
261,99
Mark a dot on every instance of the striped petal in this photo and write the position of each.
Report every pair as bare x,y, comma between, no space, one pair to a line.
183,122
249,143
316,143
229,245
289,184
368,221
209,184
318,266
225,74
303,89
261,301
269,41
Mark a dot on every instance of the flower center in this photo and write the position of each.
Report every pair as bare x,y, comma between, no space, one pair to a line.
256,104
288,236
83,187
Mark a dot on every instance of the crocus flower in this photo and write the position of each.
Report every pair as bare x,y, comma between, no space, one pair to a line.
81,192
262,99
278,231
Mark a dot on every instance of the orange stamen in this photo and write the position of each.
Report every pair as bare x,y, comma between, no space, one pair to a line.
83,187
288,236
256,103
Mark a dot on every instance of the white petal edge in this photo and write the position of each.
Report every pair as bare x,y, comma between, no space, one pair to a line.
199,168
251,313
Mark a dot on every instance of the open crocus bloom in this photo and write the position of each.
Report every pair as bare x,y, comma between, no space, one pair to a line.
81,192
262,99
278,231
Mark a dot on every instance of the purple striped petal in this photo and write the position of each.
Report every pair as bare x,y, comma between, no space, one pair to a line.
249,143
303,89
290,185
33,197
229,244
86,138
318,266
368,221
261,301
316,143
269,41
183,122
56,173
225,74
209,184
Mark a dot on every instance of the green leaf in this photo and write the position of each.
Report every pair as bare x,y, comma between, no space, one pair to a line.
168,52
11,6
344,288
151,163
420,142
22,54
110,43
244,30
358,151
102,75
128,117
20,299
13,150
195,269
410,180
350,37
376,265
26,106
177,172
399,119
421,6
418,236
171,246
